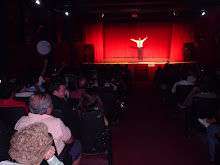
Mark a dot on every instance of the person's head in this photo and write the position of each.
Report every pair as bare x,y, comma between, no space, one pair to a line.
40,103
30,144
7,91
82,83
88,100
139,38
58,88
20,86
101,82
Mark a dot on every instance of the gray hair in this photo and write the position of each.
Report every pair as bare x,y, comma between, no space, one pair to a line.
39,103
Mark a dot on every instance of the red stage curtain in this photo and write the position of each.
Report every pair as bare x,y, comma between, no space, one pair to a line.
181,33
165,39
118,43
94,35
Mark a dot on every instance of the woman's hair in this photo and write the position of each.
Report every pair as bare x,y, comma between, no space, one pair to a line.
30,144
88,100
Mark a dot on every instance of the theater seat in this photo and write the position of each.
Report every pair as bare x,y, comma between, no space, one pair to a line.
95,139
10,116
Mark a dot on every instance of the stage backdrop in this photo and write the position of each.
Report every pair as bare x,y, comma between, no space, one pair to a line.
112,40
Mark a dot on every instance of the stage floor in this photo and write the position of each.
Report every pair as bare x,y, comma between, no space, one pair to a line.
136,61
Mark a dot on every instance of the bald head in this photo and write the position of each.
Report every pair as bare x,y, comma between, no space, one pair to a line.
39,103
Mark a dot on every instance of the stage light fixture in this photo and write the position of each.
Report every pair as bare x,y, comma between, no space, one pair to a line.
37,2
66,13
101,15
203,12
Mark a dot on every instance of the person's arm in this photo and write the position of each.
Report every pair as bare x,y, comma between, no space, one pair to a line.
133,40
69,141
211,121
51,158
63,65
144,39
174,88
106,121
44,68
65,133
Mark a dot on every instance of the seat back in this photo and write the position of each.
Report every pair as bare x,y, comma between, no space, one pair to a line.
5,137
204,107
23,99
73,101
111,107
182,91
11,115
93,135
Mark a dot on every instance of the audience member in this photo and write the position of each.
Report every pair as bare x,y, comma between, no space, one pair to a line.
82,84
40,111
36,82
89,102
7,100
58,92
21,90
185,81
31,145
213,128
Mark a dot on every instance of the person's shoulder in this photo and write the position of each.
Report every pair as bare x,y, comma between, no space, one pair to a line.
54,119
6,162
18,102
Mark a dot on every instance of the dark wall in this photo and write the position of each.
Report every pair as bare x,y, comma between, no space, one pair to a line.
3,40
208,45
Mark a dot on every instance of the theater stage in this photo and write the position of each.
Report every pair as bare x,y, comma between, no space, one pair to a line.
141,68
134,60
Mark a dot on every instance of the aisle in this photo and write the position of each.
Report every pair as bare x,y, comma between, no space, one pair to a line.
150,136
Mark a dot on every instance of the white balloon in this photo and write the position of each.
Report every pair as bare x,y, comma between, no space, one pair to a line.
43,47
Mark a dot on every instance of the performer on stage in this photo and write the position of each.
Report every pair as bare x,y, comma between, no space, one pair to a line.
139,46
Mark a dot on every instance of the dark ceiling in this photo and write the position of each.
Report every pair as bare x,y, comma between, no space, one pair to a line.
121,9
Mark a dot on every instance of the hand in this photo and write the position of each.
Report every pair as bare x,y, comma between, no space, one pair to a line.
195,89
49,153
210,121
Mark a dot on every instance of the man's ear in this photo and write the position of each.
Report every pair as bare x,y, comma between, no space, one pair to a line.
49,111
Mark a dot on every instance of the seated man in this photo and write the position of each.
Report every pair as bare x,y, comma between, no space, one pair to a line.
7,98
31,145
41,108
213,128
58,91
21,90
185,81
201,91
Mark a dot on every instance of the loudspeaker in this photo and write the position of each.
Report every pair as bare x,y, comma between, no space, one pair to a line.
189,51
88,53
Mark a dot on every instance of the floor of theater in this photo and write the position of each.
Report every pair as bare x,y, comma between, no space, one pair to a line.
149,135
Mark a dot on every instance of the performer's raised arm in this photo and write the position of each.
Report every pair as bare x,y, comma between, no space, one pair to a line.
133,40
145,38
